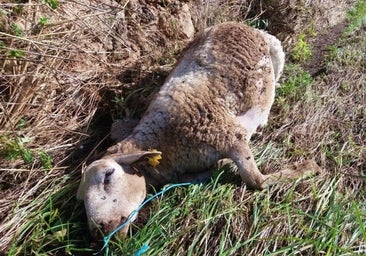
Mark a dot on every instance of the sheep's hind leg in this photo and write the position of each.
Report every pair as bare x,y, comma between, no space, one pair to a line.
296,171
248,170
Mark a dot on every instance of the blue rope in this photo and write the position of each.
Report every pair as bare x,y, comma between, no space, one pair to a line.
142,250
145,247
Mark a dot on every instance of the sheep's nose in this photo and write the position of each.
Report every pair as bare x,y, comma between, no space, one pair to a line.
102,229
107,227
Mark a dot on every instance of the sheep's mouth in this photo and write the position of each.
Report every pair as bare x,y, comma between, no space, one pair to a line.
105,228
122,232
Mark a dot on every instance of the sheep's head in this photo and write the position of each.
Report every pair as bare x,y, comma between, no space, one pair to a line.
112,190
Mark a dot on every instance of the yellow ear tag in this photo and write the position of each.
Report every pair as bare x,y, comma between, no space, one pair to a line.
154,160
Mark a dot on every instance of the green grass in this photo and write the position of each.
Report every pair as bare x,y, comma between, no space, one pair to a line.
50,227
16,148
216,219
356,16
211,206
295,85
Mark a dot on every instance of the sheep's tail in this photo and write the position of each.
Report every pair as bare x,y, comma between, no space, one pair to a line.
277,54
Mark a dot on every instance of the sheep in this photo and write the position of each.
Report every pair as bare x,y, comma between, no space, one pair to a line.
208,108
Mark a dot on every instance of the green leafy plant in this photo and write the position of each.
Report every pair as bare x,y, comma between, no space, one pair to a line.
22,123
15,148
43,21
296,83
302,50
52,3
16,53
17,30
45,159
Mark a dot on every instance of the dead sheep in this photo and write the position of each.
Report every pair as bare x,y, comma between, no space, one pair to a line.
210,105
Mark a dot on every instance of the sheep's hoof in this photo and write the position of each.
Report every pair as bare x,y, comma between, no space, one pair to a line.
307,168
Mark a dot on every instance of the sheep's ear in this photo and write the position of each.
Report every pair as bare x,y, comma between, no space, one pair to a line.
81,189
130,158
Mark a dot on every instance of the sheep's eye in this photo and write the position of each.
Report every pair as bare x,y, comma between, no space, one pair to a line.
108,174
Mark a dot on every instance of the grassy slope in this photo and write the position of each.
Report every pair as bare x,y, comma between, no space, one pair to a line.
321,117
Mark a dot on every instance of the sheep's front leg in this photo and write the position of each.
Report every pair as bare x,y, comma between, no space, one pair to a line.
248,170
242,156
